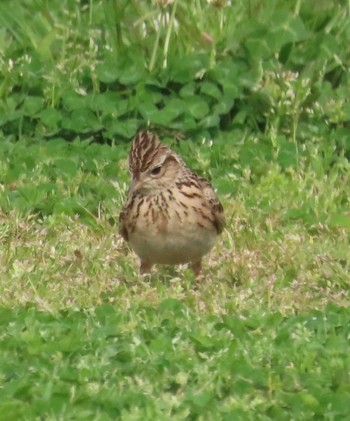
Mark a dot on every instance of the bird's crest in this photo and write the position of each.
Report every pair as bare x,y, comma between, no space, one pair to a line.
146,147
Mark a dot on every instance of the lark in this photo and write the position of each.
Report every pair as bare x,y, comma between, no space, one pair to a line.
171,215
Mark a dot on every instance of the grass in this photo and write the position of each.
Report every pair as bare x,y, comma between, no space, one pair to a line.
283,238
264,336
262,92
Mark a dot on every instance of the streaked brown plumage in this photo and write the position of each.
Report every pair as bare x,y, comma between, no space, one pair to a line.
171,214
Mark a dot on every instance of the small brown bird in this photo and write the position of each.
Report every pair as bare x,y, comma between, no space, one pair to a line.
171,214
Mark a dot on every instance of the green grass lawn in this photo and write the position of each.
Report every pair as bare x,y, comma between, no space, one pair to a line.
264,336
255,98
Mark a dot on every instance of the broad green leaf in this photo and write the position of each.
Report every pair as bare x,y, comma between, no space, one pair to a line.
72,101
67,167
123,128
106,102
211,89
187,90
189,68
83,120
210,121
148,111
164,116
258,46
197,106
286,28
132,74
147,94
33,105
185,123
50,117
225,104
108,72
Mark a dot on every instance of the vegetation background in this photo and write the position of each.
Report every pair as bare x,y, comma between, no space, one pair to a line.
255,96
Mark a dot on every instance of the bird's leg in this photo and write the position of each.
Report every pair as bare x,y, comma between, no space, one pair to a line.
145,267
197,267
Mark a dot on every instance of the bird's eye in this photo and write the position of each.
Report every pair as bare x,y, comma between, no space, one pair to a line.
156,170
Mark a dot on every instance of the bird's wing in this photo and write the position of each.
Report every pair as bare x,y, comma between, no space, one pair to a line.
214,202
122,226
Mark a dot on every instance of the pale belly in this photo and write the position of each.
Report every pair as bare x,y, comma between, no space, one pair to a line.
172,248
171,240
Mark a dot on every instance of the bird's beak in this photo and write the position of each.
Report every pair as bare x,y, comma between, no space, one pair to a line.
136,184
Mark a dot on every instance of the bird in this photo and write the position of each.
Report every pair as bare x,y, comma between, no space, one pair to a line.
171,215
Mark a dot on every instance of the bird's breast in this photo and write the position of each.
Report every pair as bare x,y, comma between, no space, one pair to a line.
167,228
